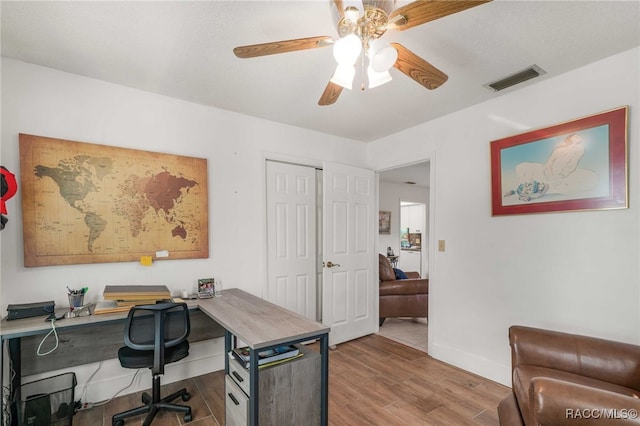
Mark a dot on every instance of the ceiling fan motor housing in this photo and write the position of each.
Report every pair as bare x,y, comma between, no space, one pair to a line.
370,26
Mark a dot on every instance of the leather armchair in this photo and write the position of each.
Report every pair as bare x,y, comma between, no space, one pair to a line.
567,379
401,298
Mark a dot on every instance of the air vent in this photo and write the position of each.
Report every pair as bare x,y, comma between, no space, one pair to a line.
517,78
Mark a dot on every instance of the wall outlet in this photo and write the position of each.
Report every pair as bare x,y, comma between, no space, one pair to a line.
85,406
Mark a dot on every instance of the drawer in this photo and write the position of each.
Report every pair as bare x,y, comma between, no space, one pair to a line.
236,404
239,374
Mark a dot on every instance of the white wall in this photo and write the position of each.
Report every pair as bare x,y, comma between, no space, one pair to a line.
45,102
576,272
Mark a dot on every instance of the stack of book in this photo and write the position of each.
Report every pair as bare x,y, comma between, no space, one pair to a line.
268,357
120,298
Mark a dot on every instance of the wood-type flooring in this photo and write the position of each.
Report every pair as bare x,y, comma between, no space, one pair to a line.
372,381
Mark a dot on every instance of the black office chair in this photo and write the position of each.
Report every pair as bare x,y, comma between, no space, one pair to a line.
155,335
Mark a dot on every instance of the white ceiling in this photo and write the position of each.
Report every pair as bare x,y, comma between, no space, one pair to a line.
417,173
183,49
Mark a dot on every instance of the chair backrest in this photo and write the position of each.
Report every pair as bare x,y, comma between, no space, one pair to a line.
385,270
156,328
597,358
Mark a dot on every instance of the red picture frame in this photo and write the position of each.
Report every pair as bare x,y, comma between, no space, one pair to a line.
572,166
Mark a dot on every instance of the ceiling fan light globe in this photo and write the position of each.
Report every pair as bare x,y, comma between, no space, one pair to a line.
377,78
352,14
358,5
344,75
347,49
384,59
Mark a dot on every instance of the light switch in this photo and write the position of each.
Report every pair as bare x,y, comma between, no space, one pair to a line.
440,245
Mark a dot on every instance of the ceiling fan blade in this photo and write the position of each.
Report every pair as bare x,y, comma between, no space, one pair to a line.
284,46
421,11
330,94
339,7
418,69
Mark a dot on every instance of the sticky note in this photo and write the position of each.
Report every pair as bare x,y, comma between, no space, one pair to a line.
146,260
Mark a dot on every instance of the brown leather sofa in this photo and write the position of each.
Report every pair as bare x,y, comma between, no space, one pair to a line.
566,379
401,298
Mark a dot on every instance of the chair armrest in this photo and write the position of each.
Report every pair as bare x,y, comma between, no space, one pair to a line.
557,402
404,287
606,360
412,274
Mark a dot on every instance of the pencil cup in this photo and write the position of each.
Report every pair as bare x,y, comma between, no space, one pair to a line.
218,288
76,300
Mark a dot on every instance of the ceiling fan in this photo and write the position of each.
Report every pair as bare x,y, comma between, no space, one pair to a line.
360,25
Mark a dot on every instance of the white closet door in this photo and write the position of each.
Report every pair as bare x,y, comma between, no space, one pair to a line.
291,237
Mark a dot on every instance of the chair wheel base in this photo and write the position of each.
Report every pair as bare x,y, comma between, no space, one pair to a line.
188,418
186,396
118,423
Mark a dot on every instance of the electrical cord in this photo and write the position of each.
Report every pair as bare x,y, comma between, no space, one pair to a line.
6,396
55,333
6,405
86,384
118,393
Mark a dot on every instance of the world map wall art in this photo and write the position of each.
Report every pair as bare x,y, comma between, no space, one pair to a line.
88,203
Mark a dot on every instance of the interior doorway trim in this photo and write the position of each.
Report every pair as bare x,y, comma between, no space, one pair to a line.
433,258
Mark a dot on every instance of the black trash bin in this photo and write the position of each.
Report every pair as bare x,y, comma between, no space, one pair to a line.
48,401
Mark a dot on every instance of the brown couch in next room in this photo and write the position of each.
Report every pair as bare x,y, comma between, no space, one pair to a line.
401,298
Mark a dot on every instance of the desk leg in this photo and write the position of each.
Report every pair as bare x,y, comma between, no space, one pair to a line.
253,388
324,380
227,349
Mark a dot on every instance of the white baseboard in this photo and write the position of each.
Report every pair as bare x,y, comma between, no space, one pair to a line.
481,366
204,357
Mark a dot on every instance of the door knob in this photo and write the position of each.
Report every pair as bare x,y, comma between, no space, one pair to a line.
330,264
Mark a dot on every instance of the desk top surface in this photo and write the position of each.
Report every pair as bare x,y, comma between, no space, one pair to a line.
255,321
259,323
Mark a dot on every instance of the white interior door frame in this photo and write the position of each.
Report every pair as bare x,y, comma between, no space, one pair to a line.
433,258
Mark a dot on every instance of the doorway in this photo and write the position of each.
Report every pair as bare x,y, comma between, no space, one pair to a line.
404,191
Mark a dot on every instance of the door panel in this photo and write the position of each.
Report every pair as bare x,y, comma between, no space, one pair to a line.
291,237
362,285
349,230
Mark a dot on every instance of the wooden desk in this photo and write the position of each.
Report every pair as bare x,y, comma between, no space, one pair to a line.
16,331
262,325
258,323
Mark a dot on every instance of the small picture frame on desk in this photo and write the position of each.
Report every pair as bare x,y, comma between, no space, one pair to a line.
206,287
